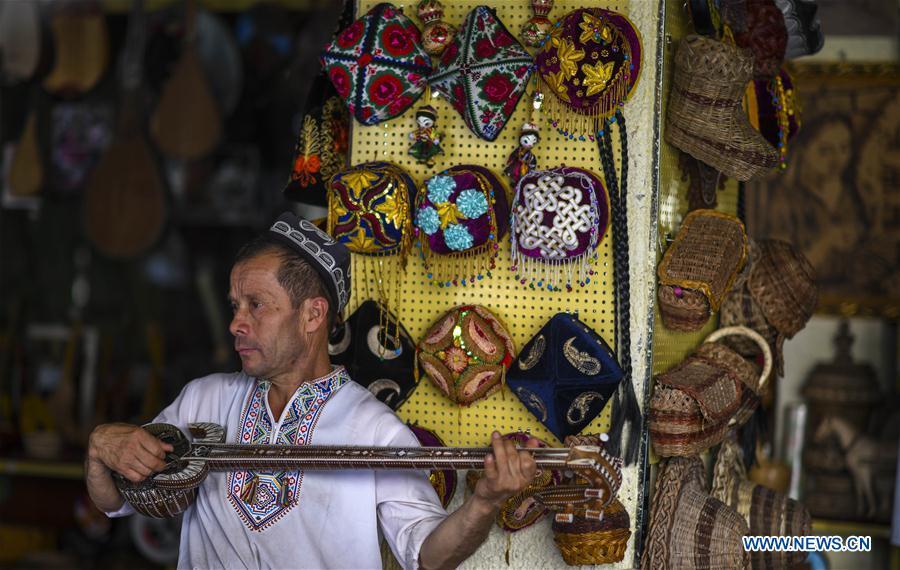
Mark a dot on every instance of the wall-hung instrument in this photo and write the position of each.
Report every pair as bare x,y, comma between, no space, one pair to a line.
187,123
125,203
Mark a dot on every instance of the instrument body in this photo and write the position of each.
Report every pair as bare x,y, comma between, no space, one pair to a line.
173,490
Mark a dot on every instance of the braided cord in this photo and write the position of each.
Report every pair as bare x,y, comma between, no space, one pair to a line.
625,407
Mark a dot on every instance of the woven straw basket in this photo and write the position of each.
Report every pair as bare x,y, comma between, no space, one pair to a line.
594,542
776,300
699,268
704,116
714,389
688,528
767,512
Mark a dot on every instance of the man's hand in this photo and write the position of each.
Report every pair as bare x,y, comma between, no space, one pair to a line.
128,450
506,471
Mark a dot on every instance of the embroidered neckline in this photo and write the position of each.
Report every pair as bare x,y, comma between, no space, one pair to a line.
262,498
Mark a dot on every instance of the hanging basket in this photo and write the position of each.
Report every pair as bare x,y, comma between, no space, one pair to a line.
714,389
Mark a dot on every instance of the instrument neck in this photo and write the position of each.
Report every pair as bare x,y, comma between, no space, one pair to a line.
230,457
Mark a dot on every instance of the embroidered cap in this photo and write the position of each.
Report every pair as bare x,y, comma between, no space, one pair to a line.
369,208
377,351
466,353
461,215
565,375
590,62
559,217
328,257
483,73
378,64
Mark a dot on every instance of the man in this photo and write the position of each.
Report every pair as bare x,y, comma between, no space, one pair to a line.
287,287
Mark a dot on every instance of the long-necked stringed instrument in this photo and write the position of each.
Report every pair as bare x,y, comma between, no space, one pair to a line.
171,491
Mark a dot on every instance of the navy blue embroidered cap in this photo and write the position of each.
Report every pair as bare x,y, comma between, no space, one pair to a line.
329,257
565,375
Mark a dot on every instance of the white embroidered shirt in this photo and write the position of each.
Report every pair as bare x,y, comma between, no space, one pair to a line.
305,519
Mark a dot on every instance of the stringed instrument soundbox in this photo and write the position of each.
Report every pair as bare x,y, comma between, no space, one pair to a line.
173,490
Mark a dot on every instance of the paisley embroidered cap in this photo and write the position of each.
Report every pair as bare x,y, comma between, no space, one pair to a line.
466,354
378,64
483,73
565,375
559,217
460,216
590,62
377,351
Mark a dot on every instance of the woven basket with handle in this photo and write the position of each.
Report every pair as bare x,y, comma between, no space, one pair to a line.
714,389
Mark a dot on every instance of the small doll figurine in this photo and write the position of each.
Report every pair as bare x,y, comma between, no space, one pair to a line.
522,160
427,143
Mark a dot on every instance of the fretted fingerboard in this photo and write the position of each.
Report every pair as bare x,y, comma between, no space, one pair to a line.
227,457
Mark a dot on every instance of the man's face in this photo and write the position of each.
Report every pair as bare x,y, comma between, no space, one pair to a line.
425,122
267,329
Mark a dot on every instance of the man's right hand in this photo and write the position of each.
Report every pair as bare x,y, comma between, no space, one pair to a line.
128,450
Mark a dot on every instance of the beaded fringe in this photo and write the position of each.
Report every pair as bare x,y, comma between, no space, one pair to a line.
463,268
583,124
553,274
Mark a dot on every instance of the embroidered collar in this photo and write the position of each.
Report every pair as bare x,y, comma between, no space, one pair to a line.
262,498
327,383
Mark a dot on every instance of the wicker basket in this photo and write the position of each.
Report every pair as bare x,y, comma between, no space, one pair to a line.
684,310
704,116
714,389
594,542
767,512
783,283
699,268
688,528
776,300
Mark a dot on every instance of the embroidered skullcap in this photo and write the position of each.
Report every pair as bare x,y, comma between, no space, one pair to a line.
590,62
373,345
565,375
326,255
483,73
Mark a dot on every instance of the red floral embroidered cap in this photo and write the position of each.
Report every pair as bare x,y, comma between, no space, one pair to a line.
483,73
378,64
466,354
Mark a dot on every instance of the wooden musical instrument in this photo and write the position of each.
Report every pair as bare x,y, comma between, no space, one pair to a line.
171,491
187,123
82,48
125,202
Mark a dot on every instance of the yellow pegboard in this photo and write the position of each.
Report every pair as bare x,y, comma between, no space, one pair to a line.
524,310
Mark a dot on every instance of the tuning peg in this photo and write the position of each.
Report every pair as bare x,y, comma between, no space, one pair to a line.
593,515
564,518
594,493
